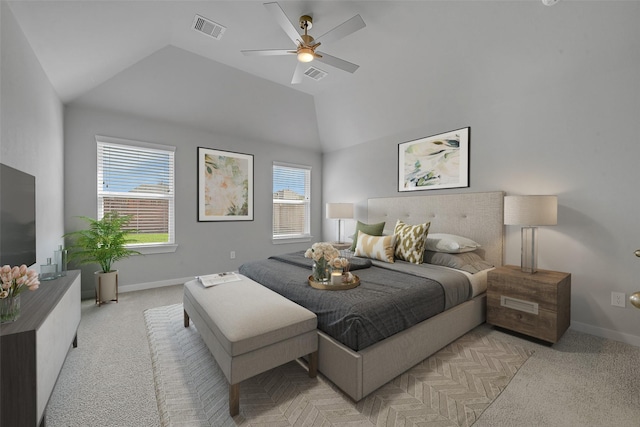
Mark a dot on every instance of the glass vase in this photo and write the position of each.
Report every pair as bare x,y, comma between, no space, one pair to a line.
9,309
321,271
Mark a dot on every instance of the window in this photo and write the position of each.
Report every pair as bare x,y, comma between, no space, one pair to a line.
291,202
137,179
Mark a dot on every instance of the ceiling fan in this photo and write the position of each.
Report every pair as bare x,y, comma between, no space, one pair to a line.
306,44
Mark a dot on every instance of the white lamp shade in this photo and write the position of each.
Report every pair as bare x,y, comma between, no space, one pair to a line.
531,210
339,210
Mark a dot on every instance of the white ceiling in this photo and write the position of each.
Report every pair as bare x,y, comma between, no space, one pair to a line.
91,49
83,43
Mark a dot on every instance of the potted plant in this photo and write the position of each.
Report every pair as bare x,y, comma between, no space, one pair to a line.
103,243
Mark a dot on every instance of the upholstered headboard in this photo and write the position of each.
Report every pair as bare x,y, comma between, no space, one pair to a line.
478,216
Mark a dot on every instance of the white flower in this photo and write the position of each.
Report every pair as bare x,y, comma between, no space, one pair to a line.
322,250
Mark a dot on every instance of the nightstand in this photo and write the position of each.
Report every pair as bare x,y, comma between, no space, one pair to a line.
341,245
538,304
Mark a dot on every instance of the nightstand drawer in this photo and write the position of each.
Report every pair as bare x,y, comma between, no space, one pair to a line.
543,325
528,288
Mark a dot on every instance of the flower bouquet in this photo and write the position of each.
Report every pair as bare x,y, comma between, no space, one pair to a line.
323,255
14,281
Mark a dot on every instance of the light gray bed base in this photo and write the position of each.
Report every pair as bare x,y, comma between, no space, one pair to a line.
478,216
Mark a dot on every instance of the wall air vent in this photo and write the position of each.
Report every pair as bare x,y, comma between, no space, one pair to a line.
315,73
208,27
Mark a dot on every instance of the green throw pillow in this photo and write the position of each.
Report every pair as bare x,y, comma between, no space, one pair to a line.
370,229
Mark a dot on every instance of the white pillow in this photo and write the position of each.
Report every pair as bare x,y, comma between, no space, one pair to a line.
450,243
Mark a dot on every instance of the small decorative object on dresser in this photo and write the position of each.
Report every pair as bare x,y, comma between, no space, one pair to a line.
14,281
538,305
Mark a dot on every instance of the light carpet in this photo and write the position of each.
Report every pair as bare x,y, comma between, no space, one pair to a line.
450,388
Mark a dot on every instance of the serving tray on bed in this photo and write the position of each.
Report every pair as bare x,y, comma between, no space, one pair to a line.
329,287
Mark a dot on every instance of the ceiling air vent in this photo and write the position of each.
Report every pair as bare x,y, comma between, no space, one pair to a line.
208,27
315,73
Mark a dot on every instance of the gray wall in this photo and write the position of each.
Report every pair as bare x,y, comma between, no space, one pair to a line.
32,130
204,247
564,121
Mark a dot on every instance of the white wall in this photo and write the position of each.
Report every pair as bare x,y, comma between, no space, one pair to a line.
565,123
32,130
204,247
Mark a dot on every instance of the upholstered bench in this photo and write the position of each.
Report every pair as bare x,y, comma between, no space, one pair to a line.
250,329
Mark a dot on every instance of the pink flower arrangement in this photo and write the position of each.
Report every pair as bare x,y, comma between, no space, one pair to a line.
17,279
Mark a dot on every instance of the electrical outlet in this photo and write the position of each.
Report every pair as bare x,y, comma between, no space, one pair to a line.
618,299
232,255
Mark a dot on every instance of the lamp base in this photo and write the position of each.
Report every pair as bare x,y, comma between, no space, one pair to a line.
529,252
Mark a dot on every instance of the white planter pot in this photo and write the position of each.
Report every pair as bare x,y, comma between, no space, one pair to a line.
106,286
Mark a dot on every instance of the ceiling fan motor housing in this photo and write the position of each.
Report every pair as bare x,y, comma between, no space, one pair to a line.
306,22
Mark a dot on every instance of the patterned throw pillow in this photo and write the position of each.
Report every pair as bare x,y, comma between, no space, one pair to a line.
375,247
370,229
410,241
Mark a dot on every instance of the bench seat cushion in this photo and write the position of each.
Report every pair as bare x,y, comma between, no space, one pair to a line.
245,316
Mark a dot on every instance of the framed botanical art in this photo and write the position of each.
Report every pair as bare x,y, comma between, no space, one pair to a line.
225,185
435,162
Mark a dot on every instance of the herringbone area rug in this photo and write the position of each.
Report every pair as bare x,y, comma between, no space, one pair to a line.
450,388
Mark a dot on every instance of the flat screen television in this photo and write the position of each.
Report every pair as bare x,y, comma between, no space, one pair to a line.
17,217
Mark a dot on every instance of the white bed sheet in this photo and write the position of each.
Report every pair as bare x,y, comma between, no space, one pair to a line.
477,280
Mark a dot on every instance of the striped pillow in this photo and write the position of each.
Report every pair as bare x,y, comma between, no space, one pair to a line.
411,240
375,247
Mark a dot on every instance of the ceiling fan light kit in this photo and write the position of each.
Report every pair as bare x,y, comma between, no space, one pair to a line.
306,45
305,54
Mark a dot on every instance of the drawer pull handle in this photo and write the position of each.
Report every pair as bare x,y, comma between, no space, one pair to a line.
518,304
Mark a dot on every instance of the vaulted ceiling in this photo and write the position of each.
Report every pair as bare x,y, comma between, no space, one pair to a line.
143,57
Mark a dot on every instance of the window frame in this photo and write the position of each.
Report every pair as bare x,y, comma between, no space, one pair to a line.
306,235
143,248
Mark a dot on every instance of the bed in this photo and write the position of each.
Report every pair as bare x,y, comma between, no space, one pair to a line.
360,360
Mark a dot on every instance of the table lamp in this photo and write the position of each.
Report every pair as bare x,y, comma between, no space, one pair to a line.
340,211
530,211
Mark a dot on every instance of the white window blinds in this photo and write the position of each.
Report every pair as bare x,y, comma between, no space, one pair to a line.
137,179
291,201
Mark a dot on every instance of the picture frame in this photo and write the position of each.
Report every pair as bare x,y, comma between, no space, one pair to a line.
435,162
225,185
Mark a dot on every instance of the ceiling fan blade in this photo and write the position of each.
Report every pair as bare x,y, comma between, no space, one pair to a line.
348,27
298,73
280,17
267,52
337,62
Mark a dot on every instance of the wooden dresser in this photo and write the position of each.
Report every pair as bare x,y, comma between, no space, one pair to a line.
538,304
34,347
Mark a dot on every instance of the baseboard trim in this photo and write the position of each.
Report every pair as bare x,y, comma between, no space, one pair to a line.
157,284
606,333
142,286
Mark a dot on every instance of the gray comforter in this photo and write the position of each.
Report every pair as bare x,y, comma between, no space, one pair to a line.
389,299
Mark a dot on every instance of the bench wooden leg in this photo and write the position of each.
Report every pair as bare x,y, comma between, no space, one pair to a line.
313,364
186,319
234,399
